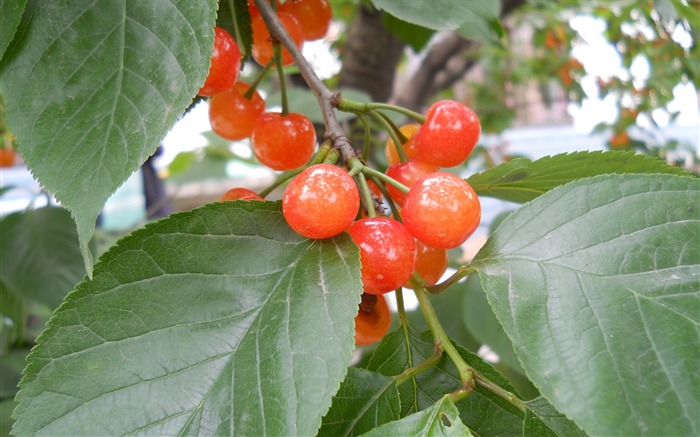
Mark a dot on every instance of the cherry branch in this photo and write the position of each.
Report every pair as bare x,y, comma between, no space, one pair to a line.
326,98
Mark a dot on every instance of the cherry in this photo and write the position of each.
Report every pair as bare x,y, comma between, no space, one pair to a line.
448,135
441,210
407,173
283,142
372,321
253,10
231,115
262,42
225,64
321,202
240,194
431,263
7,157
387,253
392,156
314,16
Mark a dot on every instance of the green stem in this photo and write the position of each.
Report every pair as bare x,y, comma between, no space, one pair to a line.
387,197
411,372
500,391
402,310
393,130
280,73
348,105
318,158
368,135
381,176
253,86
462,272
366,195
440,336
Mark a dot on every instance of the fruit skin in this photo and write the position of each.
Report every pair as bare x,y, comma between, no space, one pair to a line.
240,193
387,253
225,64
232,116
372,321
431,263
449,134
441,210
283,142
314,16
262,45
409,148
321,202
620,140
7,157
407,173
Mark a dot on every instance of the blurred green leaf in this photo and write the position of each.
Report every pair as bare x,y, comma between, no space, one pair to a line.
11,13
415,36
441,14
542,419
181,163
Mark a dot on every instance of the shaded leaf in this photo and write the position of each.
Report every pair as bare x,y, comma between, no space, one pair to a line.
441,419
365,400
234,16
11,13
439,14
94,86
521,180
6,407
41,258
542,419
415,36
597,285
216,316
13,318
11,366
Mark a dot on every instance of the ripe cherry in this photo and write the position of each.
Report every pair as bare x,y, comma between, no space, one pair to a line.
321,202
283,142
240,193
431,263
253,10
409,148
387,253
7,157
441,210
225,64
407,173
372,321
262,43
448,135
232,116
314,16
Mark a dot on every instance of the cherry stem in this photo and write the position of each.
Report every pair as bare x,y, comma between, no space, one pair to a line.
284,177
402,310
253,86
280,73
461,273
388,179
325,97
236,30
368,135
353,106
366,195
392,129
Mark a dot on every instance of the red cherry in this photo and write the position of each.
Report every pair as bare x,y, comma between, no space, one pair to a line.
232,116
387,253
392,156
253,9
225,64
240,194
262,43
7,157
449,134
431,263
407,173
314,16
283,142
372,321
441,210
321,202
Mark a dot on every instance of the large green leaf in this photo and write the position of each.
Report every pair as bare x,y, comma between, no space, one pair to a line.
441,419
440,14
40,254
365,400
10,14
91,87
221,321
542,419
482,411
597,285
521,180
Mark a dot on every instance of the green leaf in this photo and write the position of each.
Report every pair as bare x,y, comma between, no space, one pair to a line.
11,13
234,16
6,407
542,419
440,14
13,317
596,283
482,411
11,366
41,258
441,419
365,400
221,320
522,180
95,86
415,36
181,163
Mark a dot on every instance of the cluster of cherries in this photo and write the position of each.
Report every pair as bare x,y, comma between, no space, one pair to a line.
434,210
237,111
